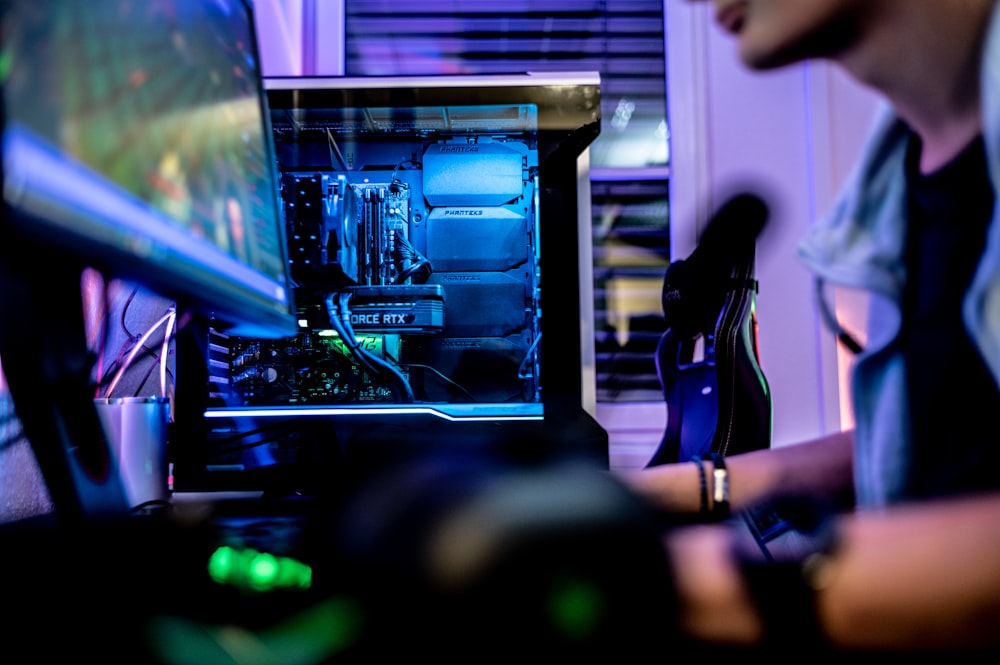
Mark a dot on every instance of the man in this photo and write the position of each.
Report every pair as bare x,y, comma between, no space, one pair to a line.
916,564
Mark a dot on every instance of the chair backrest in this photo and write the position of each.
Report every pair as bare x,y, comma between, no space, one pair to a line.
708,364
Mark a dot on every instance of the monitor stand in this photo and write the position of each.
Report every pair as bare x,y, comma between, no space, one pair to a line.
48,368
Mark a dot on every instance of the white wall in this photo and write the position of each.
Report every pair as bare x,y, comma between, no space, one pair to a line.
300,37
792,135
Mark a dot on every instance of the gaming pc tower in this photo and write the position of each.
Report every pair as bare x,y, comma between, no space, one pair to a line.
437,230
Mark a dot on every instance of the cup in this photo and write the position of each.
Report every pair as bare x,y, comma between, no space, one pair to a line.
136,428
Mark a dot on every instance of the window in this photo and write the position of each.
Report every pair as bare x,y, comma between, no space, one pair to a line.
624,41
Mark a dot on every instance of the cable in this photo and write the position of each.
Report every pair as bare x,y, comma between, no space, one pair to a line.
172,314
145,377
522,371
848,340
126,345
375,364
125,308
420,268
139,345
444,378
339,315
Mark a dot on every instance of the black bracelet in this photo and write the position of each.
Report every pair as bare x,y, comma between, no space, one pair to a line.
703,478
720,486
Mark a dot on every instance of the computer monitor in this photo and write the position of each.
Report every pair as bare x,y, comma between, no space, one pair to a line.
135,141
438,231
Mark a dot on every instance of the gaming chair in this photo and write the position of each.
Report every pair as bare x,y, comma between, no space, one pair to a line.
717,396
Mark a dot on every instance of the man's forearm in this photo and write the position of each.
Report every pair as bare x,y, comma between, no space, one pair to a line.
916,579
819,466
924,576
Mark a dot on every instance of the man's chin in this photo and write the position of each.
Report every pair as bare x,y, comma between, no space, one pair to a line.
758,60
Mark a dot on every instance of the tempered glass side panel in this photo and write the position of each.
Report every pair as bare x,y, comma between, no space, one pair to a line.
414,248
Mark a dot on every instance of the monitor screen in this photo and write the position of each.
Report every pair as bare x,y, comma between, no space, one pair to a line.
136,138
135,141
434,227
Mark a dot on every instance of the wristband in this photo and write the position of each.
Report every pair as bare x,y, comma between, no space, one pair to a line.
703,480
720,486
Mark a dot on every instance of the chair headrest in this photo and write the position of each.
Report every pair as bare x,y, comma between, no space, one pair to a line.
694,289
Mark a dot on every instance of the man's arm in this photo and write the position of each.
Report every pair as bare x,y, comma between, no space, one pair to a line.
821,466
915,578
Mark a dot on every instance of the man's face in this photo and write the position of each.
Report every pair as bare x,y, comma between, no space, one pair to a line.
773,33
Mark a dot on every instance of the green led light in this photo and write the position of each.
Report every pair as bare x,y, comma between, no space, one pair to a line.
263,572
220,564
257,571
576,607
